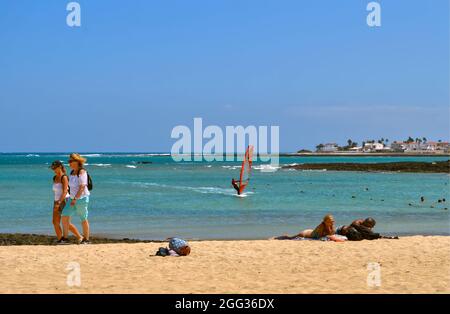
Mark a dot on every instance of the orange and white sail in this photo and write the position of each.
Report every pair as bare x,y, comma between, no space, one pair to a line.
246,169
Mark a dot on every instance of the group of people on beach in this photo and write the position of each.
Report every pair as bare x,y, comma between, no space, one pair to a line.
71,198
360,229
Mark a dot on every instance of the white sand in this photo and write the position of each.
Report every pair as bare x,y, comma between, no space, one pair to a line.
409,265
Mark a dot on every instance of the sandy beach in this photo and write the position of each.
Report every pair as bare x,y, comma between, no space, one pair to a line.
414,264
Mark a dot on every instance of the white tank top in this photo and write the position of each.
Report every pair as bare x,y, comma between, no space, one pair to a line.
58,190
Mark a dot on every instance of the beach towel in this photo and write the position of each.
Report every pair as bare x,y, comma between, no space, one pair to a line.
341,237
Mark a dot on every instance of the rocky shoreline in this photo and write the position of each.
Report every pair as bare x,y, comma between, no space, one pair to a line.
7,239
420,167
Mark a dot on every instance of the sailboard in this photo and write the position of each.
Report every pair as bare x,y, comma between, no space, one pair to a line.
246,169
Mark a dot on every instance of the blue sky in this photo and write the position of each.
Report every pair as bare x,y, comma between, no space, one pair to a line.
135,69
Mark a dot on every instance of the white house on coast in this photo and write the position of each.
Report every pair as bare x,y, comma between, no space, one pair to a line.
373,147
327,148
429,146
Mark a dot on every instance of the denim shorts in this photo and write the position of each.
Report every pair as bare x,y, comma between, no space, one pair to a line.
80,209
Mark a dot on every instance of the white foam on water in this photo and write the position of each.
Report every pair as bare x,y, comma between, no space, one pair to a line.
92,155
232,167
32,155
243,195
266,168
131,166
314,170
201,189
101,165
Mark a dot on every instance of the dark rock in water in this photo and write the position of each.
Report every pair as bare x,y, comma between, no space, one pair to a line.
445,208
367,189
410,204
353,196
431,167
7,239
144,162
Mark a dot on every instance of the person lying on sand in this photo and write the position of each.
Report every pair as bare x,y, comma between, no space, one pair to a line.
324,229
177,247
361,229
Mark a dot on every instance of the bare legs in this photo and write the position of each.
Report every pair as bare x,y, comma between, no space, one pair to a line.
67,226
57,222
85,225
304,234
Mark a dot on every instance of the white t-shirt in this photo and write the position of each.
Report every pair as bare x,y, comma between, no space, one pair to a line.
75,182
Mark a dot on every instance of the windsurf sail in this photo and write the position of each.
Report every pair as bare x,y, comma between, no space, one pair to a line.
246,169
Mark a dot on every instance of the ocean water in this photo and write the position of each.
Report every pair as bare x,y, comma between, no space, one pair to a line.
195,199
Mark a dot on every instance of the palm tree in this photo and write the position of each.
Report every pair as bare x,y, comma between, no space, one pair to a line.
424,139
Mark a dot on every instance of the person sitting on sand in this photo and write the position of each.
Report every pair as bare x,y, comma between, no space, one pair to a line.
61,195
324,229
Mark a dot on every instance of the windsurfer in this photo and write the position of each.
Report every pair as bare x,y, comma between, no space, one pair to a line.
234,183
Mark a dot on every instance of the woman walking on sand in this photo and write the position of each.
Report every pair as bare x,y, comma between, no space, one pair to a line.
60,190
79,197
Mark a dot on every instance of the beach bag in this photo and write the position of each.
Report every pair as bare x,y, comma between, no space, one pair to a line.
162,251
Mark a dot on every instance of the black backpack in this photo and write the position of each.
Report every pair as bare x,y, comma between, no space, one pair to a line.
90,185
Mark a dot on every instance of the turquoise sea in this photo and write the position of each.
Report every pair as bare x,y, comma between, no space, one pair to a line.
196,200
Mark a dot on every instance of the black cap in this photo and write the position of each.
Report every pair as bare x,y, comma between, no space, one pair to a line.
56,164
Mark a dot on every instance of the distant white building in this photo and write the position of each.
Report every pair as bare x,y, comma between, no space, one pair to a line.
373,147
328,148
428,146
398,146
356,149
435,146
